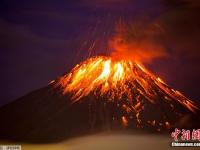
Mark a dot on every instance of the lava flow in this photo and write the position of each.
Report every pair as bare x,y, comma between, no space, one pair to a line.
128,84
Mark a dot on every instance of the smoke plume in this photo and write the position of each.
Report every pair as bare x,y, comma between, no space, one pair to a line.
138,41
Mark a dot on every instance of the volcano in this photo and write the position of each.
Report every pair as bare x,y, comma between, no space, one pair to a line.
101,93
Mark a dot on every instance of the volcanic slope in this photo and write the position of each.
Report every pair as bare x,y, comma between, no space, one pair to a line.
101,93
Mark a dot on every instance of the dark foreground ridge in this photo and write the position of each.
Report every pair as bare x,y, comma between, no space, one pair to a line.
42,116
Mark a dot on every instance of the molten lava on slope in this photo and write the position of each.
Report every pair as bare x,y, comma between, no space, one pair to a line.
139,97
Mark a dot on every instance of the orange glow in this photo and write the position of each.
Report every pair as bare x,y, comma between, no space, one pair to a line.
127,83
160,80
99,75
124,121
137,42
115,79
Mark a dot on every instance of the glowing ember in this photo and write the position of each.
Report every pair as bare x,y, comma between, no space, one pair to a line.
128,84
124,121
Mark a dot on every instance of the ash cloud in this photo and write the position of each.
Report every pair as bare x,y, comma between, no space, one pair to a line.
141,41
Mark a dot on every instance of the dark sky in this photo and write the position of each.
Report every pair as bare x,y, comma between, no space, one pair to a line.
42,39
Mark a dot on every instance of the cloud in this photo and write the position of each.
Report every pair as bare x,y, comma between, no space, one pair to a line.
139,41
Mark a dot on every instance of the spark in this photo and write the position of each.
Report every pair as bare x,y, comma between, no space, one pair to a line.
124,121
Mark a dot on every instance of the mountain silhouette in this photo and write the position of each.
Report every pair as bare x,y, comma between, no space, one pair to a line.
110,95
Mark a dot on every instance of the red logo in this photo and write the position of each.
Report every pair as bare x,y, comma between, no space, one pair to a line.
186,135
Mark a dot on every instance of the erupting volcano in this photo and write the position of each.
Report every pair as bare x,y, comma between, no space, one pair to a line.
117,79
99,93
128,85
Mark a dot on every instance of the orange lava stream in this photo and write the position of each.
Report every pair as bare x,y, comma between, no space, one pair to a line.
115,79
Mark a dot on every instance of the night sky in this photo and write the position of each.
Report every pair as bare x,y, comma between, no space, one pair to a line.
43,39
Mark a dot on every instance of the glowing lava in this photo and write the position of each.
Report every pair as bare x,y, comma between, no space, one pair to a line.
137,97
117,79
